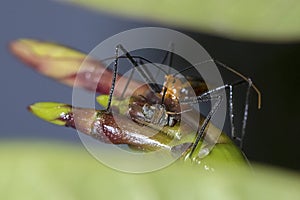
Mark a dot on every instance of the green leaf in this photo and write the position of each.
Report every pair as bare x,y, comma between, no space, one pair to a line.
268,20
49,170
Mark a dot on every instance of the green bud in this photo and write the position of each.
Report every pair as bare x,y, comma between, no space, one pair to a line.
102,100
50,111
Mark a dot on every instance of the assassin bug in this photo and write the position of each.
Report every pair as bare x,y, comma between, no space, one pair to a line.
163,110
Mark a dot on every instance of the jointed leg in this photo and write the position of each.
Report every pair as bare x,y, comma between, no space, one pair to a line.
143,71
113,82
169,56
206,96
200,132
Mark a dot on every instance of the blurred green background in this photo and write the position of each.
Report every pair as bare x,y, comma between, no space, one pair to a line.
261,41
46,170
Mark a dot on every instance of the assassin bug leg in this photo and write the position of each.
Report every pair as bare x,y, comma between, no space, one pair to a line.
141,70
208,96
169,56
113,79
216,105
246,107
240,139
144,74
250,84
200,131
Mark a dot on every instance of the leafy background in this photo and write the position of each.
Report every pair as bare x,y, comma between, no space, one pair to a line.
265,48
252,20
